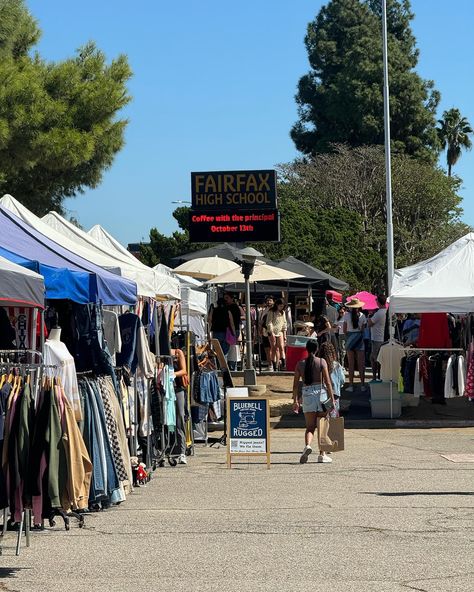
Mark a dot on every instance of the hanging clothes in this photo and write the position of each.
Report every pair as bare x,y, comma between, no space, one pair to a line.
434,331
57,354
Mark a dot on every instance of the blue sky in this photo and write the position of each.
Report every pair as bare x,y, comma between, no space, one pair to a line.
213,87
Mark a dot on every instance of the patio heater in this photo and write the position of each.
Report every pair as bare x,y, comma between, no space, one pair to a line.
247,259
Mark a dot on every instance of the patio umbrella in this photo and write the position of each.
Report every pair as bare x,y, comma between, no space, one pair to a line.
369,299
206,268
262,273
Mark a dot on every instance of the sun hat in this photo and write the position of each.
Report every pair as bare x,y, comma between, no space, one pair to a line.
354,303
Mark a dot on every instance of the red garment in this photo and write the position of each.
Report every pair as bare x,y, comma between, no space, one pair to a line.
469,388
425,376
434,330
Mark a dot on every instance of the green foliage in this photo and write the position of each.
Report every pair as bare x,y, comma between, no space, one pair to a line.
348,185
59,129
341,99
328,239
454,131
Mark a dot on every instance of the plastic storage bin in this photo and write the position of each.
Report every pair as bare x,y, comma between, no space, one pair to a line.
381,390
380,408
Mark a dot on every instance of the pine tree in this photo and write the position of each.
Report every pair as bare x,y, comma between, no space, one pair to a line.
59,124
341,99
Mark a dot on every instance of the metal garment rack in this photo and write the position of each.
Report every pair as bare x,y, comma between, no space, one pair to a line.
425,349
25,522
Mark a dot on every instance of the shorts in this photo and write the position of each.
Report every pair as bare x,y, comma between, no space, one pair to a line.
355,341
312,396
376,345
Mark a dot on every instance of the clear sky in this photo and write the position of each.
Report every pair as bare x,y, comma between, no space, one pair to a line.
213,89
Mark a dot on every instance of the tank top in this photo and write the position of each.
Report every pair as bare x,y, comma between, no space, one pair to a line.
178,381
319,365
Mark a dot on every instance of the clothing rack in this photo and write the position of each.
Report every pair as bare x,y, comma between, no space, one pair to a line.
4,365
441,349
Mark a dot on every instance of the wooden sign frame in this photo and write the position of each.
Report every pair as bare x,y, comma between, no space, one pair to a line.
230,454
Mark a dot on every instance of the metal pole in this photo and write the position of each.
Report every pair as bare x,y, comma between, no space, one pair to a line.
388,166
248,323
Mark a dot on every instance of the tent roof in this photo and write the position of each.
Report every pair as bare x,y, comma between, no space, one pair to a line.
444,283
224,251
66,274
311,275
20,286
150,282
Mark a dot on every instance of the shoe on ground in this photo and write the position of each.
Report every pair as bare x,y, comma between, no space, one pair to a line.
182,459
324,458
270,368
349,389
306,452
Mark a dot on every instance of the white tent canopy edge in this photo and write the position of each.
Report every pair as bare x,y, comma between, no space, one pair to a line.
443,283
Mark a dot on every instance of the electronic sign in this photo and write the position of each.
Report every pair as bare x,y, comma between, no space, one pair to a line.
234,226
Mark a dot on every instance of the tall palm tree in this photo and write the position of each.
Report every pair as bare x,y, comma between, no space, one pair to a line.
453,132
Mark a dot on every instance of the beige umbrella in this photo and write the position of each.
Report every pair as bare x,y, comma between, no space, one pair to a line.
206,268
262,272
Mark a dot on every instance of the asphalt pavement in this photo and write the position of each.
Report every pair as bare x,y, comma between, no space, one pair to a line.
390,514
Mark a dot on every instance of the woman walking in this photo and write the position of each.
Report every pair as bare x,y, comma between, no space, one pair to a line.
354,325
318,398
276,331
336,373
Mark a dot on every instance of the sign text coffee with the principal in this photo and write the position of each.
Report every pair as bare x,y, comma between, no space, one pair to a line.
234,190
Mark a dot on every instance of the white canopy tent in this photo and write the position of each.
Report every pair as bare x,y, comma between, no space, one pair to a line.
165,285
444,283
20,286
206,267
262,272
77,241
194,302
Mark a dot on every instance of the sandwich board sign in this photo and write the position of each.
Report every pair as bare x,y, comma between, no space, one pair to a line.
248,427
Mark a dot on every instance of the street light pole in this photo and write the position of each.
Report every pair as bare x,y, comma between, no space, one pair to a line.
248,258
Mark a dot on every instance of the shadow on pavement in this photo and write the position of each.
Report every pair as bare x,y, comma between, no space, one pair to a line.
409,493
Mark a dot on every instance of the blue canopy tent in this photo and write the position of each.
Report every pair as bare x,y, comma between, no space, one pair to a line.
66,275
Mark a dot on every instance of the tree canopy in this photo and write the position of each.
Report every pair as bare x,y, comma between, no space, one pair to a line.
59,125
349,184
340,100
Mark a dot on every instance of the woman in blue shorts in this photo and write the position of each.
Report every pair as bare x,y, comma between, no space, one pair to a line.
354,325
318,397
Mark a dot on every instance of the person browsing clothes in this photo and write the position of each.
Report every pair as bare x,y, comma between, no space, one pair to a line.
376,323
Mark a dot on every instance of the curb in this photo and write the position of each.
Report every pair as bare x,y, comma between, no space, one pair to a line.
283,422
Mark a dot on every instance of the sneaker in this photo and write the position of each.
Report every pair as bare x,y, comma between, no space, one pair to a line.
182,459
306,452
324,458
349,389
